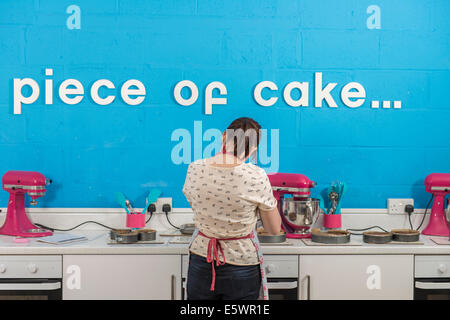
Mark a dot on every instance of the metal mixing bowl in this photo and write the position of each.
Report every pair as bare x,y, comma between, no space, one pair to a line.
301,213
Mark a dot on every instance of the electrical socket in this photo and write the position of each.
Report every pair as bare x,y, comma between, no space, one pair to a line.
397,206
162,201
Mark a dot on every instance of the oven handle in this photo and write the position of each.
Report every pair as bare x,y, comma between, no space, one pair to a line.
30,286
432,285
282,285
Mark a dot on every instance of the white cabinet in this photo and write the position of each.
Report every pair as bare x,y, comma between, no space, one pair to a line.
356,277
121,277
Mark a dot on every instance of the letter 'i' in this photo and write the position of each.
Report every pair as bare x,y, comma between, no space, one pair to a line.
49,87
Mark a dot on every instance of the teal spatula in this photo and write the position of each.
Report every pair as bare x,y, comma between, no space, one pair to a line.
122,201
342,189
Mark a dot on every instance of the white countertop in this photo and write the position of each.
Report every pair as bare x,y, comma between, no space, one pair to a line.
98,243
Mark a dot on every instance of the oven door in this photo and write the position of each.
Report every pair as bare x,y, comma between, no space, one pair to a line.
282,288
432,289
30,289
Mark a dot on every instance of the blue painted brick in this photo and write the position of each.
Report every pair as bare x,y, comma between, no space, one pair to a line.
106,46
86,6
340,49
439,16
247,49
439,83
382,128
327,14
24,12
44,45
409,86
415,50
12,128
182,49
288,49
157,7
11,45
237,8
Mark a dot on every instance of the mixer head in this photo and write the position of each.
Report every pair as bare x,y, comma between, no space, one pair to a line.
438,182
291,183
30,182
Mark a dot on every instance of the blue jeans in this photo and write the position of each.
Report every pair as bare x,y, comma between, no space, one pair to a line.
232,282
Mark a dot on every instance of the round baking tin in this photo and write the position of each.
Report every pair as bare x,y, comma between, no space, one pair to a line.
124,236
266,238
331,236
377,237
146,235
405,235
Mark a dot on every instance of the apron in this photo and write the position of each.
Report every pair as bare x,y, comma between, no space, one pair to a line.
214,249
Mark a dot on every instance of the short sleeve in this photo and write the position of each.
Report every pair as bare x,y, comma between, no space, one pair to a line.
265,199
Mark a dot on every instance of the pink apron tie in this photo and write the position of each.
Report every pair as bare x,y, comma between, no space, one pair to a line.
212,254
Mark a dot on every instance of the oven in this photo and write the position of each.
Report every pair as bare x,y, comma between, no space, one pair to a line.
432,277
281,272
30,277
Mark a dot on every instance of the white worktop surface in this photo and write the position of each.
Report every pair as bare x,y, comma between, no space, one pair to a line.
98,243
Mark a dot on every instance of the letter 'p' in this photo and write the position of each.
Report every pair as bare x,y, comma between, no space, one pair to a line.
19,98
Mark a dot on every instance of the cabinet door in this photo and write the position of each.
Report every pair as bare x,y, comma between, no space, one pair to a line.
356,277
121,277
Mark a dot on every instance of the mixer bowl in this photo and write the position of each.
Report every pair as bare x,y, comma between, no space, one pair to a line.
301,213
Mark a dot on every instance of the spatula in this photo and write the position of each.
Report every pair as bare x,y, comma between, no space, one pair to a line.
122,201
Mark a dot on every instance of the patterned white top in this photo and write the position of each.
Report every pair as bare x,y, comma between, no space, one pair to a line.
225,202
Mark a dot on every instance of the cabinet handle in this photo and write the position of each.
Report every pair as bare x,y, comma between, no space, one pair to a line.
432,285
172,287
308,287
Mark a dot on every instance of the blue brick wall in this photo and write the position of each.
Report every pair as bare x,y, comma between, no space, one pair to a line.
91,151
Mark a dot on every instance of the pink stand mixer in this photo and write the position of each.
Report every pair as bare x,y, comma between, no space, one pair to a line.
439,185
17,183
300,211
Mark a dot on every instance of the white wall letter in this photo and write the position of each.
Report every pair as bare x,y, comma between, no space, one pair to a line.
303,87
64,91
209,100
94,92
346,94
257,93
324,93
19,98
177,92
126,92
48,87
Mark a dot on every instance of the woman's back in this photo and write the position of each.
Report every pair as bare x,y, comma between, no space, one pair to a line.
224,200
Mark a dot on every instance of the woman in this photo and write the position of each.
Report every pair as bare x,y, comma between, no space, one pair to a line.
226,193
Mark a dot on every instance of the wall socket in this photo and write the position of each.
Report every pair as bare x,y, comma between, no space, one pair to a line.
160,202
397,206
